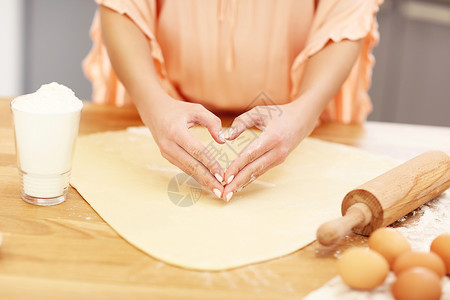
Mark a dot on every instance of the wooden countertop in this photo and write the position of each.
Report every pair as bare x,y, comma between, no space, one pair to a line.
68,252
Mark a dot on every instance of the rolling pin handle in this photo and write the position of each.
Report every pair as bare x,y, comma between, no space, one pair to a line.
357,215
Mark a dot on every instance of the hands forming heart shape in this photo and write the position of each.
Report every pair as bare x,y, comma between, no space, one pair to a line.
283,128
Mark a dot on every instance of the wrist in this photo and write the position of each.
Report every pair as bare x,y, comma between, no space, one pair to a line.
150,100
309,105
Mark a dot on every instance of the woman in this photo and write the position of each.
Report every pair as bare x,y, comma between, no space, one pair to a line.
311,58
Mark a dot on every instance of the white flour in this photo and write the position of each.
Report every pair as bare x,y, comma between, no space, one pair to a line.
48,99
433,220
336,289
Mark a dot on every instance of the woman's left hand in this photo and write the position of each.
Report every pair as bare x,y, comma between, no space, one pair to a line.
283,128
283,131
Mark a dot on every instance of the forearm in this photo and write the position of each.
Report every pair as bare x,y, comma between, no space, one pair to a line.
326,71
130,55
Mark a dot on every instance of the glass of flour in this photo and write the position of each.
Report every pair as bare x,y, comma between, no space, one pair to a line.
45,127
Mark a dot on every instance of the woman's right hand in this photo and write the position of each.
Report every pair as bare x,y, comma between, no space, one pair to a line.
169,123
168,119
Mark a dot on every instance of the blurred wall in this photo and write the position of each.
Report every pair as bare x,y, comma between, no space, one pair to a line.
411,80
56,41
11,47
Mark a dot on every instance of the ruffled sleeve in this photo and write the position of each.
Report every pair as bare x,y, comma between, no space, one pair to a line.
97,67
336,20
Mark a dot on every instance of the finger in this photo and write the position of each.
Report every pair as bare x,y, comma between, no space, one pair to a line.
257,148
252,171
249,119
198,151
213,123
180,158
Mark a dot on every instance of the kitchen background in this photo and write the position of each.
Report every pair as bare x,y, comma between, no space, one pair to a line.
45,40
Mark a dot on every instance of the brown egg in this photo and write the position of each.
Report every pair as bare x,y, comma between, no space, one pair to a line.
417,283
411,259
388,242
362,268
441,246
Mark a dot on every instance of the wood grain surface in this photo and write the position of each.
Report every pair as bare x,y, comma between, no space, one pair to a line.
68,252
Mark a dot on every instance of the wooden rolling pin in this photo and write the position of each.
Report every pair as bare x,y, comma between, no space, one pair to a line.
388,197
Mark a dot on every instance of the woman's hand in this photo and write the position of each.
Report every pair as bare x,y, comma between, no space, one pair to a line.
283,128
282,132
170,123
168,119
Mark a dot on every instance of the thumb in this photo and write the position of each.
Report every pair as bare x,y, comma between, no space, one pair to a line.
244,121
213,123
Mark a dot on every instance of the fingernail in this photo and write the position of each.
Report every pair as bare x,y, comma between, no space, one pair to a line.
218,177
217,192
230,132
230,178
221,136
230,194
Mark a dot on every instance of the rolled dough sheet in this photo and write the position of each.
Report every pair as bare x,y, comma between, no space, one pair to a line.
142,196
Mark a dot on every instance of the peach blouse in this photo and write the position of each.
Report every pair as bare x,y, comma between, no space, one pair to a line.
224,53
